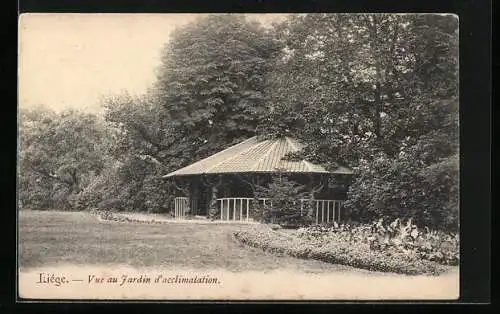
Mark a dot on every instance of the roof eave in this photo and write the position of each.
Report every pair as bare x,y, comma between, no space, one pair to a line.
253,172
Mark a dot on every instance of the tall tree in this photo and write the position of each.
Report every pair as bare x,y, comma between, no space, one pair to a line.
366,83
140,150
59,155
378,92
211,83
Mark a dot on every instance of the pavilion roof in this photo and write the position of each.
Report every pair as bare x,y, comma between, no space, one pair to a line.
255,156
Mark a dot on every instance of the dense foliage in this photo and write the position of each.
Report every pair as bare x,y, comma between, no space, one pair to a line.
211,83
282,205
401,189
60,156
377,92
140,151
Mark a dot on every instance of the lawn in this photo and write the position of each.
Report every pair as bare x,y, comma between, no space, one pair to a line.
51,238
78,244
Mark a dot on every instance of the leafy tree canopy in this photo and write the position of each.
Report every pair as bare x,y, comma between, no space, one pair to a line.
212,82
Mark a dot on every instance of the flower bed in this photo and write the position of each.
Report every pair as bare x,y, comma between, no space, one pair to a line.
359,247
395,237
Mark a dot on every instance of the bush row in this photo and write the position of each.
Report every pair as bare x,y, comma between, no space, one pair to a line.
339,252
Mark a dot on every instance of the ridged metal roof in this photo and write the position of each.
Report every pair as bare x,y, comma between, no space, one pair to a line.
254,155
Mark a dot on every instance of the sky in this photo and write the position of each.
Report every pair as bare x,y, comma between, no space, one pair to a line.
73,60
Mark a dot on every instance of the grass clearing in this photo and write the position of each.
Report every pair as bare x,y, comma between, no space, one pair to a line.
50,238
79,244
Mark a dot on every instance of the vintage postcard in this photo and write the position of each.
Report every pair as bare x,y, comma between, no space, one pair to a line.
238,157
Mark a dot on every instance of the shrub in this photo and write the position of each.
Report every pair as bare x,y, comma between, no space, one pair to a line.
283,197
403,187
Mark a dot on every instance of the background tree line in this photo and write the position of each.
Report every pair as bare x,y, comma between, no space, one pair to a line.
376,92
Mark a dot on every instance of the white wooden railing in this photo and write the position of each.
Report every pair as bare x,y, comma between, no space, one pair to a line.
325,210
181,207
234,208
184,206
238,208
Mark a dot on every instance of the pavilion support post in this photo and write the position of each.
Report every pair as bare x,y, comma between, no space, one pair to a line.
311,197
213,209
193,197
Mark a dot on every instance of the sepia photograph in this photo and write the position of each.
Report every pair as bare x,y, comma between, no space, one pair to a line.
230,156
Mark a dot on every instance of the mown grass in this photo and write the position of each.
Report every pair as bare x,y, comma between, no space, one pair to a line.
50,238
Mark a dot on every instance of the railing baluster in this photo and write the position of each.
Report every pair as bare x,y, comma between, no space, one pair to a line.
327,211
317,215
340,207
228,205
336,210
234,209
224,208
322,211
333,210
241,209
